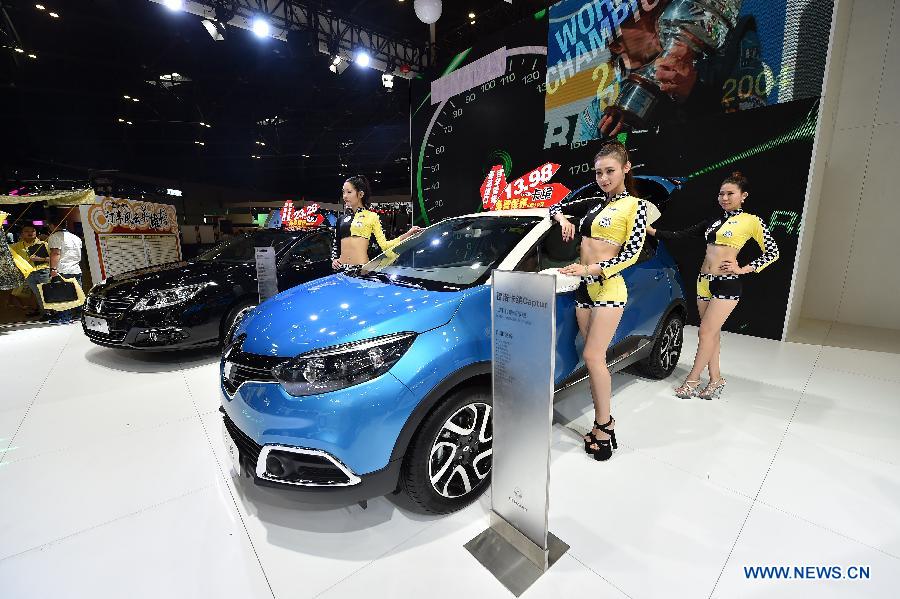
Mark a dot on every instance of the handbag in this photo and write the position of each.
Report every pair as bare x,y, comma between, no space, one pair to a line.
61,294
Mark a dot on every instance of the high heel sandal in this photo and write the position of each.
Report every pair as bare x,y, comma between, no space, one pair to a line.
589,439
688,389
602,448
713,390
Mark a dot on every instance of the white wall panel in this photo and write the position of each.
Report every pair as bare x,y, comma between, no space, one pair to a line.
838,206
872,293
889,98
869,28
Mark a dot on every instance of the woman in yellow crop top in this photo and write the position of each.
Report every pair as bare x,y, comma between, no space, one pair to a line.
354,229
719,285
613,228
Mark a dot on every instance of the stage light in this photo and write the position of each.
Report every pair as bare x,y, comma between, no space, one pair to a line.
32,56
40,7
202,124
20,50
338,65
53,14
215,29
363,59
174,5
129,123
121,120
135,100
127,97
387,80
261,27
471,15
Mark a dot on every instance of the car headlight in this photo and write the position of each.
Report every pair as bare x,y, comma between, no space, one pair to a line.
163,298
341,366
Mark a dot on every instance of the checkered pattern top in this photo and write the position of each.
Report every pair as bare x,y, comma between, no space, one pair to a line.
634,241
767,245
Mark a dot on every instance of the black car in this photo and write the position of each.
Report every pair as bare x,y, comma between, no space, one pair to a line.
194,304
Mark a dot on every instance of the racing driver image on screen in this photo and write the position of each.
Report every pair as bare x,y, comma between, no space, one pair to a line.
681,59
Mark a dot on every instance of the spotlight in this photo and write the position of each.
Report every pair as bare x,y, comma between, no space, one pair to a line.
121,120
363,59
32,56
174,5
202,124
471,15
53,14
338,65
40,7
387,80
215,29
261,27
20,50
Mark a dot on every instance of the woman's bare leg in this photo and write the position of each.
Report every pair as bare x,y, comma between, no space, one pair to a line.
604,322
711,323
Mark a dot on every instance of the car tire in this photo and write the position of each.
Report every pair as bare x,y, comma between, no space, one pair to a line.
453,446
233,319
666,350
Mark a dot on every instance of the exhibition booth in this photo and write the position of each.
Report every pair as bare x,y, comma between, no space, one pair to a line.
427,395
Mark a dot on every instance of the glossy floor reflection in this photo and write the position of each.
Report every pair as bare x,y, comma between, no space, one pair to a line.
114,481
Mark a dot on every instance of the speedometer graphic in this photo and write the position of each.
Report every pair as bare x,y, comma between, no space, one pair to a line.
476,129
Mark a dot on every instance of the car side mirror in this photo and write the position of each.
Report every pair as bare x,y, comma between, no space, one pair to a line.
564,283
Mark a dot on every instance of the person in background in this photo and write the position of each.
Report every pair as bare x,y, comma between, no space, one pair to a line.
719,284
37,254
357,227
65,260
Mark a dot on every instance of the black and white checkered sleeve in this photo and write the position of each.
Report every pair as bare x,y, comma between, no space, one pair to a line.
768,246
633,245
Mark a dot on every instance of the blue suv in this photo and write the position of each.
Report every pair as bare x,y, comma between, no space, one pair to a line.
356,386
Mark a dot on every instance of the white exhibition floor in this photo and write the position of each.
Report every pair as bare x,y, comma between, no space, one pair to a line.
114,483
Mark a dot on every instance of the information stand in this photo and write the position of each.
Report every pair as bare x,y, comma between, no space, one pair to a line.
266,274
518,547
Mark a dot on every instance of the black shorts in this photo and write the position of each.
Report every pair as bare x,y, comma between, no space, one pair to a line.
727,287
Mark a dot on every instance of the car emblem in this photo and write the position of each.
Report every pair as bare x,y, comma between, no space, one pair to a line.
227,371
100,306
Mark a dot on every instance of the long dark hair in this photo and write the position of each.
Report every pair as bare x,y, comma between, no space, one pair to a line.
617,149
360,183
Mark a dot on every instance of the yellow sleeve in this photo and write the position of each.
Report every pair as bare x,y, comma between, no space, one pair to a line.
383,242
767,244
634,242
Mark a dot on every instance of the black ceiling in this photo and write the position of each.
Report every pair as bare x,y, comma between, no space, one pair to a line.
61,110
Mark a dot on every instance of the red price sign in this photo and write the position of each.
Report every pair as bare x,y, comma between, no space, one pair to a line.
532,190
301,219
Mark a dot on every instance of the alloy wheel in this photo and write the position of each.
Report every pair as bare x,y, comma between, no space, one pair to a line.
670,349
461,455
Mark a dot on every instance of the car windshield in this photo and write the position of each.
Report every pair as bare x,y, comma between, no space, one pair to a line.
453,254
241,249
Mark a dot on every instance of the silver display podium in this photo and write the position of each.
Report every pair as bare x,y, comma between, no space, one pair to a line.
518,548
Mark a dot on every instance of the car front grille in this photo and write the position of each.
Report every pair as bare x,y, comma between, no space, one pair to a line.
111,303
241,367
248,448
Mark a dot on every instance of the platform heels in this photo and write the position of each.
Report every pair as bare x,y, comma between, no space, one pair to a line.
688,389
602,448
713,390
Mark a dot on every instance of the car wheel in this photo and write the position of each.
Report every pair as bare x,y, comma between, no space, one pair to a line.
234,318
666,351
448,463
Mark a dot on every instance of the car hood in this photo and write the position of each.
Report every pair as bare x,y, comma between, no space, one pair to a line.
171,275
340,309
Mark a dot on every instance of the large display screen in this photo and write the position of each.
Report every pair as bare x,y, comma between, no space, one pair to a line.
487,115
